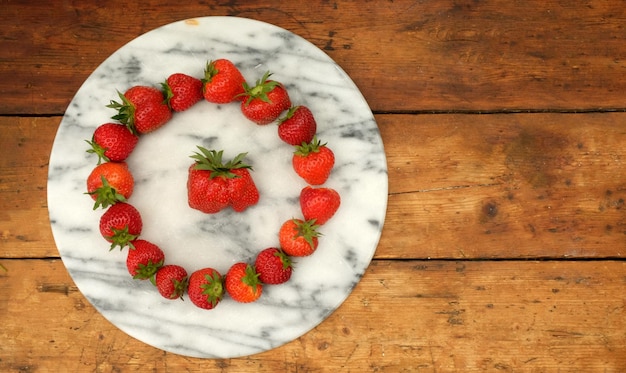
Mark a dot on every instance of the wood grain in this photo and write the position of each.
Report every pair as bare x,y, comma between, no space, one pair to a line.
506,186
458,316
453,55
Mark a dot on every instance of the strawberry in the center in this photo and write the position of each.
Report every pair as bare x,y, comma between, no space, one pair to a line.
213,185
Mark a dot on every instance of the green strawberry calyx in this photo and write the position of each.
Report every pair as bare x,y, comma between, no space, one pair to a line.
209,72
284,259
122,238
305,149
289,114
213,288
306,229
211,160
251,278
260,90
106,195
98,150
179,288
147,270
125,112
168,94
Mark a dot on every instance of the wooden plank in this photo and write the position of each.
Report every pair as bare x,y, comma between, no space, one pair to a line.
426,316
405,55
25,147
506,185
512,186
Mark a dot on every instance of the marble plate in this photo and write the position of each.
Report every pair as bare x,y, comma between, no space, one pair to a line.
194,240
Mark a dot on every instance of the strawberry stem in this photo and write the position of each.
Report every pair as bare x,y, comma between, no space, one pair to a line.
147,271
106,195
251,278
211,160
307,148
214,288
122,238
307,230
125,112
261,88
98,150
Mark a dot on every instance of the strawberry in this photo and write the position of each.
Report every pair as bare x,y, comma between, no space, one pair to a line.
222,82
142,109
242,283
121,224
206,194
264,102
171,281
297,126
109,183
112,142
243,190
298,237
319,204
273,266
144,259
205,288
182,91
313,162
213,185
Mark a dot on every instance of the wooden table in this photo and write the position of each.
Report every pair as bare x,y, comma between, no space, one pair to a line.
504,243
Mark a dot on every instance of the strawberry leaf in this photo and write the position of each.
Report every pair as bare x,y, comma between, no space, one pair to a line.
125,112
122,238
211,160
307,148
147,271
307,230
106,195
98,150
261,88
213,288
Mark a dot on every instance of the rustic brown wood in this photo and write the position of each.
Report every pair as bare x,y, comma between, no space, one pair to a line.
25,147
511,186
523,213
459,316
404,55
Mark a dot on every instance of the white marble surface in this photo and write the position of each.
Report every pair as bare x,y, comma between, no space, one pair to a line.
194,240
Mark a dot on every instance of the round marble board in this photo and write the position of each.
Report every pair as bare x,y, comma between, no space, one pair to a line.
320,283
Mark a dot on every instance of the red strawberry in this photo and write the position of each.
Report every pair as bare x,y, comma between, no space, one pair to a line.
273,266
182,91
242,283
205,288
313,162
144,259
264,102
121,224
109,183
206,194
143,109
319,203
213,185
243,190
171,281
112,142
223,82
297,126
298,237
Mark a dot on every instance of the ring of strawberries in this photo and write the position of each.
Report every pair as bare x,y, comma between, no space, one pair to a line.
213,183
